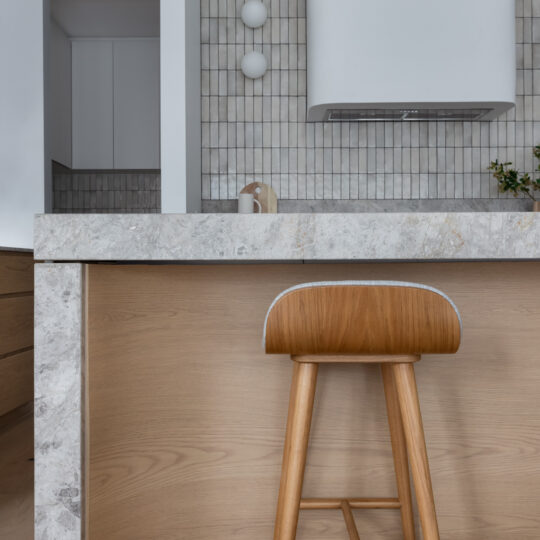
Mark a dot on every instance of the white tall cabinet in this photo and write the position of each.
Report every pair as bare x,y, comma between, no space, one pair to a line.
115,103
92,105
136,104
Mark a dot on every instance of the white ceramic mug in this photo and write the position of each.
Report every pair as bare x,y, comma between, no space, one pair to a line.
245,203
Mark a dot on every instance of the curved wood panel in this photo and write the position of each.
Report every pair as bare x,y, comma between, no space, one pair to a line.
355,319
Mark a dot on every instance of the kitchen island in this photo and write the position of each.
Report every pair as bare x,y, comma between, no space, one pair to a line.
159,416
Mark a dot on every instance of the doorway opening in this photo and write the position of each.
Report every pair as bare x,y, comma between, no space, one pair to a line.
103,106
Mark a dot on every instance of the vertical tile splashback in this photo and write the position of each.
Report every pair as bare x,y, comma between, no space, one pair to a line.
96,192
257,130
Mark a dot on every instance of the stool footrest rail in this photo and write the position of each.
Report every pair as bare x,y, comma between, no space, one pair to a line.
335,504
346,506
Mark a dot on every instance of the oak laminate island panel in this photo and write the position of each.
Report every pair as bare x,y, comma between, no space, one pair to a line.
159,416
16,392
16,328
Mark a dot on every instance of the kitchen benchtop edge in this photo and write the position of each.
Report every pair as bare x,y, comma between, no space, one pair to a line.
233,238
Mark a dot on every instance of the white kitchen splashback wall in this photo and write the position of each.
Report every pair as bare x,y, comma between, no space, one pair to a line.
257,130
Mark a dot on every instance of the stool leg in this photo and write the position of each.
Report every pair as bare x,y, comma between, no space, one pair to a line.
416,445
399,451
295,451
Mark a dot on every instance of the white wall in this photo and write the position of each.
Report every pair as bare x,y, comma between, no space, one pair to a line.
108,18
193,107
180,106
22,159
60,95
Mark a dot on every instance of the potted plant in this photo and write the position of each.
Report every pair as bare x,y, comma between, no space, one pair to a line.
511,181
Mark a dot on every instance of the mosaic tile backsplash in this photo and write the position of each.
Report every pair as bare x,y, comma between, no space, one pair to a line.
257,130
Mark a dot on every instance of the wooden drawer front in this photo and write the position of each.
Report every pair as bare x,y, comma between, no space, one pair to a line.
16,329
16,323
16,273
16,381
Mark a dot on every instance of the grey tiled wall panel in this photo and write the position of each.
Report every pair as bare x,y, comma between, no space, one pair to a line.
257,130
116,193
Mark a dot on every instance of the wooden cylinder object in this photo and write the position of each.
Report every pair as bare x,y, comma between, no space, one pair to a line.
399,451
416,445
295,451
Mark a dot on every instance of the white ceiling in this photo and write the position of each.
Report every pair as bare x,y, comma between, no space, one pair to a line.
107,18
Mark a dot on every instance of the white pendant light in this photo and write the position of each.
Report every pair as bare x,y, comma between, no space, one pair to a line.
254,13
254,65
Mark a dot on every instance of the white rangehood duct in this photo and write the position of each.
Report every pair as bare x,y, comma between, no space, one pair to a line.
410,59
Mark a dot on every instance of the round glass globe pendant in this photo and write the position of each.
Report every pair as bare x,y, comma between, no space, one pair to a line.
254,13
254,65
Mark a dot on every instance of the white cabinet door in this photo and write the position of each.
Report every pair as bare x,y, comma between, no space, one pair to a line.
136,104
92,72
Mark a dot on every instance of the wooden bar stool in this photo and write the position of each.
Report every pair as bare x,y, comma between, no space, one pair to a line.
390,323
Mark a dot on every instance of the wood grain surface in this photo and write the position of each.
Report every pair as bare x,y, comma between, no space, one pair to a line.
302,397
345,319
16,380
16,272
187,414
413,429
16,329
16,323
16,395
399,452
17,477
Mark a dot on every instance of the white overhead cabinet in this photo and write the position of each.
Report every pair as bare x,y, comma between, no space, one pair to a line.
116,104
92,104
136,104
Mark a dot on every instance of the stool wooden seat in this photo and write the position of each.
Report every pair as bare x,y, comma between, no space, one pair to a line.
390,323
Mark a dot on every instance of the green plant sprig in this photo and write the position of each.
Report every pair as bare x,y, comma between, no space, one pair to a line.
510,180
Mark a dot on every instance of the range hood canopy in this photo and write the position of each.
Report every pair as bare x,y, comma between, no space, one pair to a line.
413,60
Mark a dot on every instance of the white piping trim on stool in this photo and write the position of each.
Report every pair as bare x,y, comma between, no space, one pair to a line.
359,284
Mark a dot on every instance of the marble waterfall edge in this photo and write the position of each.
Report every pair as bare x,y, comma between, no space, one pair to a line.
58,403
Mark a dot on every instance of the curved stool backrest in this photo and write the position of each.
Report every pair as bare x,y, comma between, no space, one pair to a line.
362,318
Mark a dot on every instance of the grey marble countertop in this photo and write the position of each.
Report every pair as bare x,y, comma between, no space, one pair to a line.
208,238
